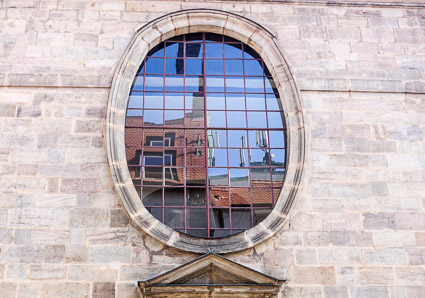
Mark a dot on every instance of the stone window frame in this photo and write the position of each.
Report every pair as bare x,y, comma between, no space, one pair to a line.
265,44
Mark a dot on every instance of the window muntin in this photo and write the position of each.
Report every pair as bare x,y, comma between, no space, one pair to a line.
215,102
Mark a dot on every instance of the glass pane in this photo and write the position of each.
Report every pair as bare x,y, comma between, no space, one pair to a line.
262,197
219,197
257,120
235,84
258,139
238,157
235,101
194,84
195,197
237,138
195,176
240,196
174,217
174,176
195,100
216,119
236,119
233,51
234,67
157,51
154,138
239,177
254,84
195,137
216,138
276,192
217,176
154,83
278,157
259,158
132,153
260,215
154,100
135,101
241,218
174,118
278,174
217,157
273,102
214,67
270,86
174,66
211,37
174,196
134,118
215,84
154,65
138,83
277,139
174,49
174,100
154,118
196,218
215,101
195,157
253,68
197,233
255,102
220,219
214,50
193,66
275,119
194,118
152,196
249,53
194,50
174,83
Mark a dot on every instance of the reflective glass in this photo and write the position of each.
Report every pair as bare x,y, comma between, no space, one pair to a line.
255,102
154,83
260,215
239,177
258,139
275,119
174,66
193,66
278,157
174,101
174,217
194,84
217,157
196,218
153,118
195,197
237,138
194,50
241,218
234,67
135,101
273,102
174,196
218,176
194,118
277,139
174,49
194,100
257,120
154,65
216,119
236,119
214,67
195,176
154,100
152,196
138,83
270,86
157,51
235,84
253,68
238,158
214,50
233,51
195,137
174,118
215,84
216,138
215,101
174,83
259,158
254,84
235,101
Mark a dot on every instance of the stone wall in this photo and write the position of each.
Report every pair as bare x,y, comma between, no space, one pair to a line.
358,225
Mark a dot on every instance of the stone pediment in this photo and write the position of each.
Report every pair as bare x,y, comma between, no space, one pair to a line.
211,275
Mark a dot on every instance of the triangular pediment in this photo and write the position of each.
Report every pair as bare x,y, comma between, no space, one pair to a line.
208,272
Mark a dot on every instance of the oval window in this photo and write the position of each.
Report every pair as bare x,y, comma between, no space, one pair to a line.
205,135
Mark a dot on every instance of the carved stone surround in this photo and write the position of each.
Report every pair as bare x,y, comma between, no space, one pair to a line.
261,40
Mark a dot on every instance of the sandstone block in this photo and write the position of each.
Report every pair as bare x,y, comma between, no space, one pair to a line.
93,273
109,254
335,292
369,292
47,272
54,253
395,256
375,276
89,217
306,256
410,276
8,289
65,289
103,290
72,186
314,275
339,256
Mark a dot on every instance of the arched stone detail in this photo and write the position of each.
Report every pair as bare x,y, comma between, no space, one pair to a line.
262,41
